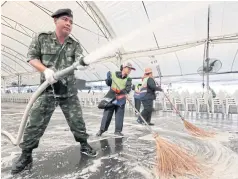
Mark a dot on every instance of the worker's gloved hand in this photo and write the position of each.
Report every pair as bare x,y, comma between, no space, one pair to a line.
49,76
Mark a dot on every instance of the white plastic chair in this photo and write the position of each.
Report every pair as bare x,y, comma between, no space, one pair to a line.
189,102
202,102
230,102
177,103
216,102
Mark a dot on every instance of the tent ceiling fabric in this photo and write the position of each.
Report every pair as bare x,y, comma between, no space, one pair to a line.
177,45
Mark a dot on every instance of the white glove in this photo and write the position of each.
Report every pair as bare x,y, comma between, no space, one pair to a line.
49,76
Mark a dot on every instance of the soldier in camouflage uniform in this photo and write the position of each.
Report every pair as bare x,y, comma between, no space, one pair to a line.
48,52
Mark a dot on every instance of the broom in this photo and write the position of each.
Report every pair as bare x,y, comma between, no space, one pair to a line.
192,129
172,160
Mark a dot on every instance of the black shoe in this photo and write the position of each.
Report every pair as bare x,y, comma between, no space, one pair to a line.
99,133
88,150
151,124
118,133
139,121
24,162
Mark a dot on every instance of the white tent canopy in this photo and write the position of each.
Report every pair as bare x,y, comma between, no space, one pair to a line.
176,44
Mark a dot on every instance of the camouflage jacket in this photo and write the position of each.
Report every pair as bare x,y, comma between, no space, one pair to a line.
46,48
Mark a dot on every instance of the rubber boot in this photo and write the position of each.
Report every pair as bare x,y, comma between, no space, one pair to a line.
24,162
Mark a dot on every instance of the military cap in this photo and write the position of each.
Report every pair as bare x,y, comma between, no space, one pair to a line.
62,12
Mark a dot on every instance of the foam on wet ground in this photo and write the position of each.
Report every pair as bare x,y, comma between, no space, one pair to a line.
133,156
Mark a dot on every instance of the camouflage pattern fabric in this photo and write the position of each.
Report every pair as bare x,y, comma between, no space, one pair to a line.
45,47
41,113
52,54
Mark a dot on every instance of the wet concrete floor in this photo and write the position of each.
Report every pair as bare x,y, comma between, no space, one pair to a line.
132,156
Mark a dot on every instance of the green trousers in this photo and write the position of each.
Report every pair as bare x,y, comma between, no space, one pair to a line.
40,116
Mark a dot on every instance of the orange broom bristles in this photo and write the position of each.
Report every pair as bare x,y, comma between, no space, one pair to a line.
190,127
172,161
195,131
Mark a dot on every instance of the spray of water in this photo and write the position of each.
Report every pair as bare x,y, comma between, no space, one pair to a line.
162,20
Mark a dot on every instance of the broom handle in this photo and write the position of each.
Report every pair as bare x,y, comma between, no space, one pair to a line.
173,106
159,72
147,125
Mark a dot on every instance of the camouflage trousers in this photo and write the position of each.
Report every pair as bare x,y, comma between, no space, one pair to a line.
41,113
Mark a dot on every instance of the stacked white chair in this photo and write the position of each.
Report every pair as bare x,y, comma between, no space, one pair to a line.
178,103
190,102
230,102
216,104
200,103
